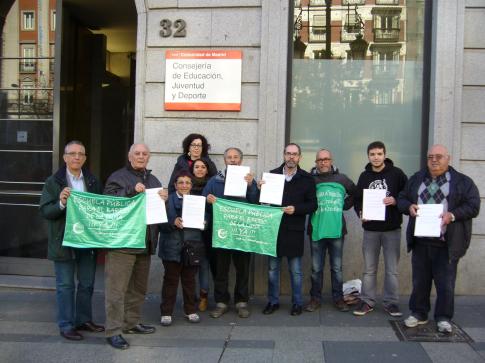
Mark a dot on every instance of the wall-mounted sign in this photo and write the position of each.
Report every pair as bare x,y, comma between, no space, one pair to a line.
203,80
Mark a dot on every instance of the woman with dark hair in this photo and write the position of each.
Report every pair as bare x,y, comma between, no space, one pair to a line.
200,176
195,146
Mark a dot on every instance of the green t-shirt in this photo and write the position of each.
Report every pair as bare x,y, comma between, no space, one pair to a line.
327,219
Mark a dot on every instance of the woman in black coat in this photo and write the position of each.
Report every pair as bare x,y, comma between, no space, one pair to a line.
200,176
195,146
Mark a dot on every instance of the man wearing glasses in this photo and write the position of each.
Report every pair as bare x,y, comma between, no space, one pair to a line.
241,260
436,258
335,193
299,199
74,310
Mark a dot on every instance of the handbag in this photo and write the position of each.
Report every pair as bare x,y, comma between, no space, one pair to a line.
192,252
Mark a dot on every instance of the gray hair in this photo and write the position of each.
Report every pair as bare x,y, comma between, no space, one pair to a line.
233,148
323,149
132,147
73,142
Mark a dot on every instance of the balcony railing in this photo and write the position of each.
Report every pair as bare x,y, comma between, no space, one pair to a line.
27,66
353,2
386,35
386,69
319,36
387,2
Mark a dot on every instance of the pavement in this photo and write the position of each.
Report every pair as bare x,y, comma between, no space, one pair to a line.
28,333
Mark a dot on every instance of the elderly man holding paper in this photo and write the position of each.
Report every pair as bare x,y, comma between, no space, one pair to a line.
435,256
127,269
235,183
74,310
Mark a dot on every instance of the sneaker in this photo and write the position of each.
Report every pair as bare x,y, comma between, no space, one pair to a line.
340,305
363,309
444,327
412,321
166,320
312,306
220,310
242,310
393,310
193,318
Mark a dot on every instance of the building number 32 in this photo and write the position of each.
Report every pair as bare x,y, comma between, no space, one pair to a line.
175,29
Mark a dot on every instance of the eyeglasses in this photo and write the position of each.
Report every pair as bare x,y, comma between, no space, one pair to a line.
437,157
196,145
291,154
74,154
323,160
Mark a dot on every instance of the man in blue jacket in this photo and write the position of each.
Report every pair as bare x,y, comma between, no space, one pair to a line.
213,190
437,258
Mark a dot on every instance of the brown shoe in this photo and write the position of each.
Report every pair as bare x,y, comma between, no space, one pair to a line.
71,335
312,306
203,302
341,306
90,326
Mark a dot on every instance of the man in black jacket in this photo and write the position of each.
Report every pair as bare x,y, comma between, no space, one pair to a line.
126,270
380,173
74,311
436,258
299,199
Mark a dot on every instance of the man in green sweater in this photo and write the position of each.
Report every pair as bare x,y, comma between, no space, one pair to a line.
335,193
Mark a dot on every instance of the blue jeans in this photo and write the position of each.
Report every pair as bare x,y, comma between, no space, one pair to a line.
318,250
74,308
294,266
204,274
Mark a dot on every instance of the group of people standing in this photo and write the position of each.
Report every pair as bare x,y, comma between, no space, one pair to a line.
322,194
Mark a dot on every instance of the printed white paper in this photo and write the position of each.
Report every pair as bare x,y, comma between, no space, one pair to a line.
236,185
193,211
155,207
272,189
428,221
373,207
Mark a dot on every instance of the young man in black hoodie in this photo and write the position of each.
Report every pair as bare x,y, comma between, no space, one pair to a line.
380,173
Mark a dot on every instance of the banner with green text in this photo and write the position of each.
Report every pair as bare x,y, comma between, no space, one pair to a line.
245,227
103,221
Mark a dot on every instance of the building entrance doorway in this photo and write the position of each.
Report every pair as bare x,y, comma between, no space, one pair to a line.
67,71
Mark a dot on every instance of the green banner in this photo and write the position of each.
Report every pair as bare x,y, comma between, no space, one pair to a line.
245,227
327,219
103,221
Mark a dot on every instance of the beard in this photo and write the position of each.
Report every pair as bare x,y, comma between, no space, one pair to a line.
291,164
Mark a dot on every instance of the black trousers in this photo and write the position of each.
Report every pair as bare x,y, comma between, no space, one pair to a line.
241,262
175,272
431,263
